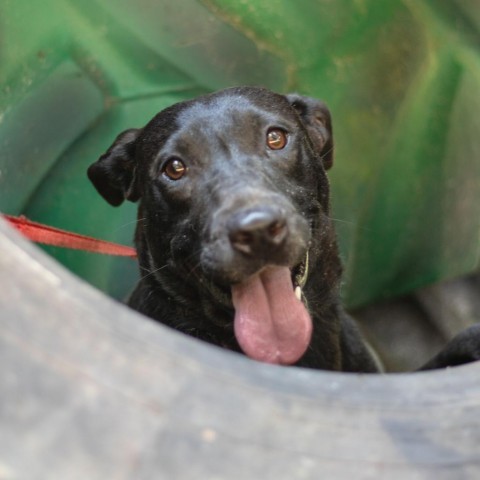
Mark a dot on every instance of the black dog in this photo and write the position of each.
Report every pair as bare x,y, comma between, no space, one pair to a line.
234,238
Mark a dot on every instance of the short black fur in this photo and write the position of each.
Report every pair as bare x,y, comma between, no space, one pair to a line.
187,227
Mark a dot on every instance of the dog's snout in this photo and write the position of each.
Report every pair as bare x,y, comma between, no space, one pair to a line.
254,231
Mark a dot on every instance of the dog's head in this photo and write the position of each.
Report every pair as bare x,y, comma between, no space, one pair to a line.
233,195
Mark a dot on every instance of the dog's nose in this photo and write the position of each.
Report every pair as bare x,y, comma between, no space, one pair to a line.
255,231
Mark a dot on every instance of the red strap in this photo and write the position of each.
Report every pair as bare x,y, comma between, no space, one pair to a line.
40,233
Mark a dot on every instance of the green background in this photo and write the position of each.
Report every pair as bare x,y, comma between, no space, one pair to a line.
402,79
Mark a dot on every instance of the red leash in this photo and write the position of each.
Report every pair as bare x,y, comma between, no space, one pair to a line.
39,233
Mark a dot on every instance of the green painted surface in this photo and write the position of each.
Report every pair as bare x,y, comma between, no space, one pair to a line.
402,79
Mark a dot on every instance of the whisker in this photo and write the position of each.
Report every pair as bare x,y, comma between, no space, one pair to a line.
129,223
193,269
349,222
327,152
155,270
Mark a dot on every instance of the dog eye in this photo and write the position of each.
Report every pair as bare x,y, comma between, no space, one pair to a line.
276,139
174,169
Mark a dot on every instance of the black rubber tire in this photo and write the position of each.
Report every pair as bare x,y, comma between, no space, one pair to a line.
92,390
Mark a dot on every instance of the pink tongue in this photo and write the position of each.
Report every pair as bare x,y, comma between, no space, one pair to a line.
271,324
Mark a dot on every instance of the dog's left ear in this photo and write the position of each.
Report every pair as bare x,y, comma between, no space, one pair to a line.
113,174
316,117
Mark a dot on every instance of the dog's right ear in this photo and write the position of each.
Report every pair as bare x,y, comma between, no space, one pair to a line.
316,118
113,174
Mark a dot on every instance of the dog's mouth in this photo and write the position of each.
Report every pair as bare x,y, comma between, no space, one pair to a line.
271,322
299,278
